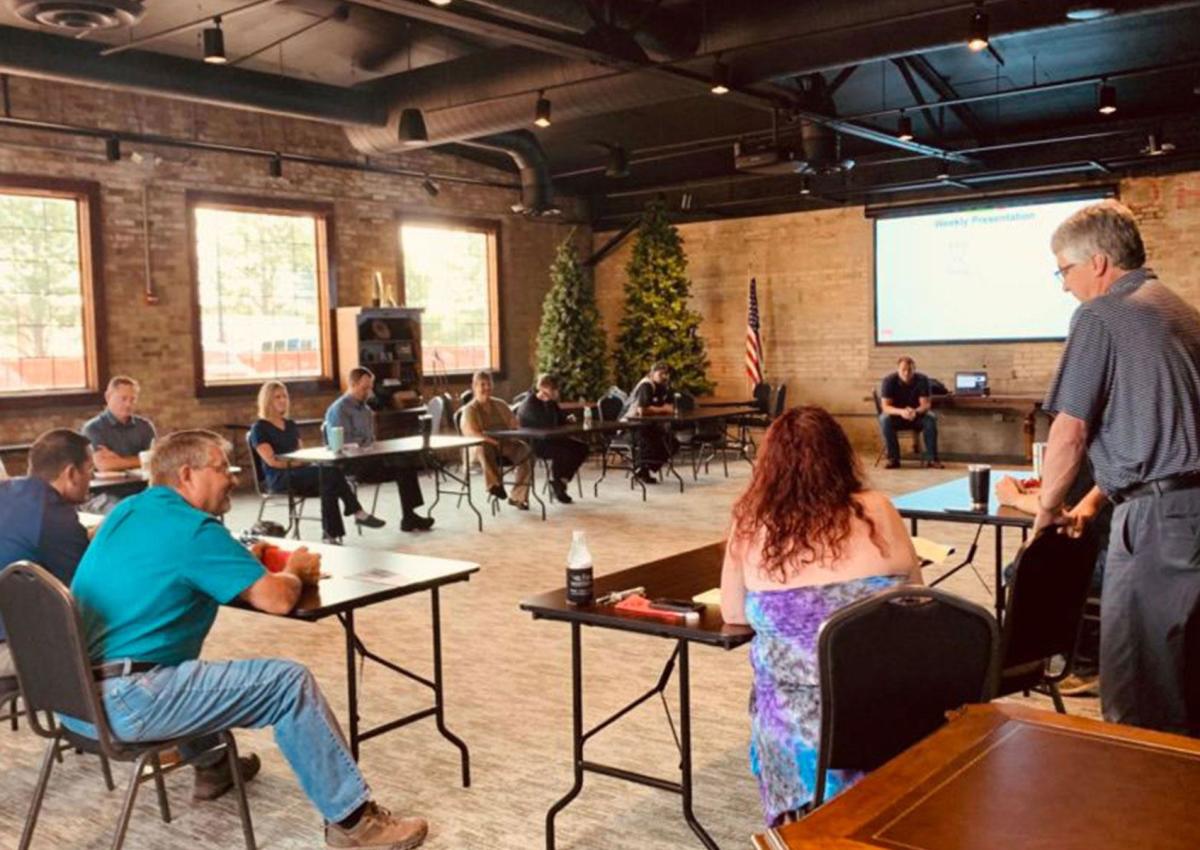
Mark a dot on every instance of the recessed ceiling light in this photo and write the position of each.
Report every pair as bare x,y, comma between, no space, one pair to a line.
1088,12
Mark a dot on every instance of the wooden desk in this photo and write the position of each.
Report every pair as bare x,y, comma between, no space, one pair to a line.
362,577
679,576
1006,776
1025,404
950,501
323,457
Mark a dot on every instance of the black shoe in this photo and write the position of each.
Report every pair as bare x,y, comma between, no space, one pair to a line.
645,476
413,522
933,464
521,506
560,491
892,464
371,521
212,782
498,491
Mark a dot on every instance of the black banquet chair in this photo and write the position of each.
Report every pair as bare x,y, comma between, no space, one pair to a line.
891,666
46,639
1043,613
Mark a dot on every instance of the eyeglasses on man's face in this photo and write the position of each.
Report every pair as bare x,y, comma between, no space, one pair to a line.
1062,271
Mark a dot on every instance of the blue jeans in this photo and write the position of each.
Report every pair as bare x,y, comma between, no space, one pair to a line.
198,697
926,423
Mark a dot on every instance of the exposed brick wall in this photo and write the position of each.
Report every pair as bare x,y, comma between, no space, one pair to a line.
814,273
154,343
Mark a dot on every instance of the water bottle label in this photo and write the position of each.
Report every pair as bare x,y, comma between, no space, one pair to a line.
579,586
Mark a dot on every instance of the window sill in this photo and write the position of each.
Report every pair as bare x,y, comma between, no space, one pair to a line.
295,385
34,400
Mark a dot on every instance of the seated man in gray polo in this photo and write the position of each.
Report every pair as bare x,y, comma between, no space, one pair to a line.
117,435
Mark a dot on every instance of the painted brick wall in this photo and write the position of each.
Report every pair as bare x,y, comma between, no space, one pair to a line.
814,274
155,343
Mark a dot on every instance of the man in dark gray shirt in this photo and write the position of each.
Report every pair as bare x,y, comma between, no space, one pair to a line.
117,434
1127,393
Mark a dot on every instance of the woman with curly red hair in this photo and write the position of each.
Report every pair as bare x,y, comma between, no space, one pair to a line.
807,539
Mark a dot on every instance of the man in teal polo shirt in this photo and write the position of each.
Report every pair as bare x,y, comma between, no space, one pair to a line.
148,590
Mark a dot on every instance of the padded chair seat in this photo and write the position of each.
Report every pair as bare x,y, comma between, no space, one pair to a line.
1022,677
9,686
122,751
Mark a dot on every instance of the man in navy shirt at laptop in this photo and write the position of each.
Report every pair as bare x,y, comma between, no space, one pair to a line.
38,521
905,406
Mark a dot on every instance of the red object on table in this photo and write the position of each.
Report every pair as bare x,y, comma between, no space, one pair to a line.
275,558
640,605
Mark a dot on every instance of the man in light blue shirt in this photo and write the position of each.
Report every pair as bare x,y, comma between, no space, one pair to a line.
351,413
148,590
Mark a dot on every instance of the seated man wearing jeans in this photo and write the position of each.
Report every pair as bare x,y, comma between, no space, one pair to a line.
38,521
905,406
148,591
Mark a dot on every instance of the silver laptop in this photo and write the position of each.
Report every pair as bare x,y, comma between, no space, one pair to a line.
970,383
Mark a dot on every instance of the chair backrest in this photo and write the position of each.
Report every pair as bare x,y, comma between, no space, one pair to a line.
458,415
465,397
762,397
435,408
878,401
617,392
891,666
260,486
1046,597
520,397
3,471
45,637
781,400
610,408
686,401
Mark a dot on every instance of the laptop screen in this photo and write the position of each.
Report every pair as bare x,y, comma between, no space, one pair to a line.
970,382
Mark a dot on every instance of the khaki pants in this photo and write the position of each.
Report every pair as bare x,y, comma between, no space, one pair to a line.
515,454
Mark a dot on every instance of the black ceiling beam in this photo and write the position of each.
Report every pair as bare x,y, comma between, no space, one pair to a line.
33,54
842,75
922,67
919,96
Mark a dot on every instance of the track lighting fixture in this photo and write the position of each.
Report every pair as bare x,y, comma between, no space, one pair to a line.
1107,99
805,189
412,129
618,162
720,78
979,31
275,166
904,128
214,43
112,149
440,2
431,188
541,115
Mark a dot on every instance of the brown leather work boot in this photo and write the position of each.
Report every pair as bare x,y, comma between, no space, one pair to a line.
212,782
378,829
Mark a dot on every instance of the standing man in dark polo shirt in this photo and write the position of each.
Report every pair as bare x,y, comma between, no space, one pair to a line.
357,421
566,455
1127,393
38,521
117,435
904,401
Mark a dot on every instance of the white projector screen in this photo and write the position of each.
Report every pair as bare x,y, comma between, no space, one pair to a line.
978,274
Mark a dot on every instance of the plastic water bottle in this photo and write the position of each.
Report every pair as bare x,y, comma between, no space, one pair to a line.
579,571
587,415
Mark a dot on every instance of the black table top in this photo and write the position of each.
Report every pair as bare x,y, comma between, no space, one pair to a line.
728,402
933,502
698,415
571,429
127,479
381,448
361,577
680,576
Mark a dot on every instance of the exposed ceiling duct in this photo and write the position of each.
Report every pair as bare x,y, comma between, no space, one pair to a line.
537,190
76,17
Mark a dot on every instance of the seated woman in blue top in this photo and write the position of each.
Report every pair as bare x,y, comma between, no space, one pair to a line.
807,539
274,435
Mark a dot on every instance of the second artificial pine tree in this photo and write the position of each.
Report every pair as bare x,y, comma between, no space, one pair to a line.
658,323
571,341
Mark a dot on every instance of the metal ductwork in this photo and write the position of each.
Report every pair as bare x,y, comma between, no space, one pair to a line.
537,189
78,17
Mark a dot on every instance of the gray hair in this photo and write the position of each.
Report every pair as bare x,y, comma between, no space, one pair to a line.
1107,228
183,448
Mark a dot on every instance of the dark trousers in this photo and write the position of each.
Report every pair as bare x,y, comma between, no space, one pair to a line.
333,488
400,469
890,426
566,456
653,446
1150,614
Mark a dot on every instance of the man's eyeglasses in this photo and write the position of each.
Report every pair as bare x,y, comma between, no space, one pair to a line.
1061,271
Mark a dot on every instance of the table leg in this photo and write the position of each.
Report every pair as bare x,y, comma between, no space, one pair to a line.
1028,428
351,681
439,700
685,746
576,733
533,477
912,523
999,578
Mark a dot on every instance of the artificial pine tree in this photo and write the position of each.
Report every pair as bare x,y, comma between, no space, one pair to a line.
658,324
571,341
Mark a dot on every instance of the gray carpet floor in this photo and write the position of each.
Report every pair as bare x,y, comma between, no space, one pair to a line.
508,694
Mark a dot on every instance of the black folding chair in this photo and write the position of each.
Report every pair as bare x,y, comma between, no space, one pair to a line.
703,441
266,498
10,695
46,639
1043,613
891,666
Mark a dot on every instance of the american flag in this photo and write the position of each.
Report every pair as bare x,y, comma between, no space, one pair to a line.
754,357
